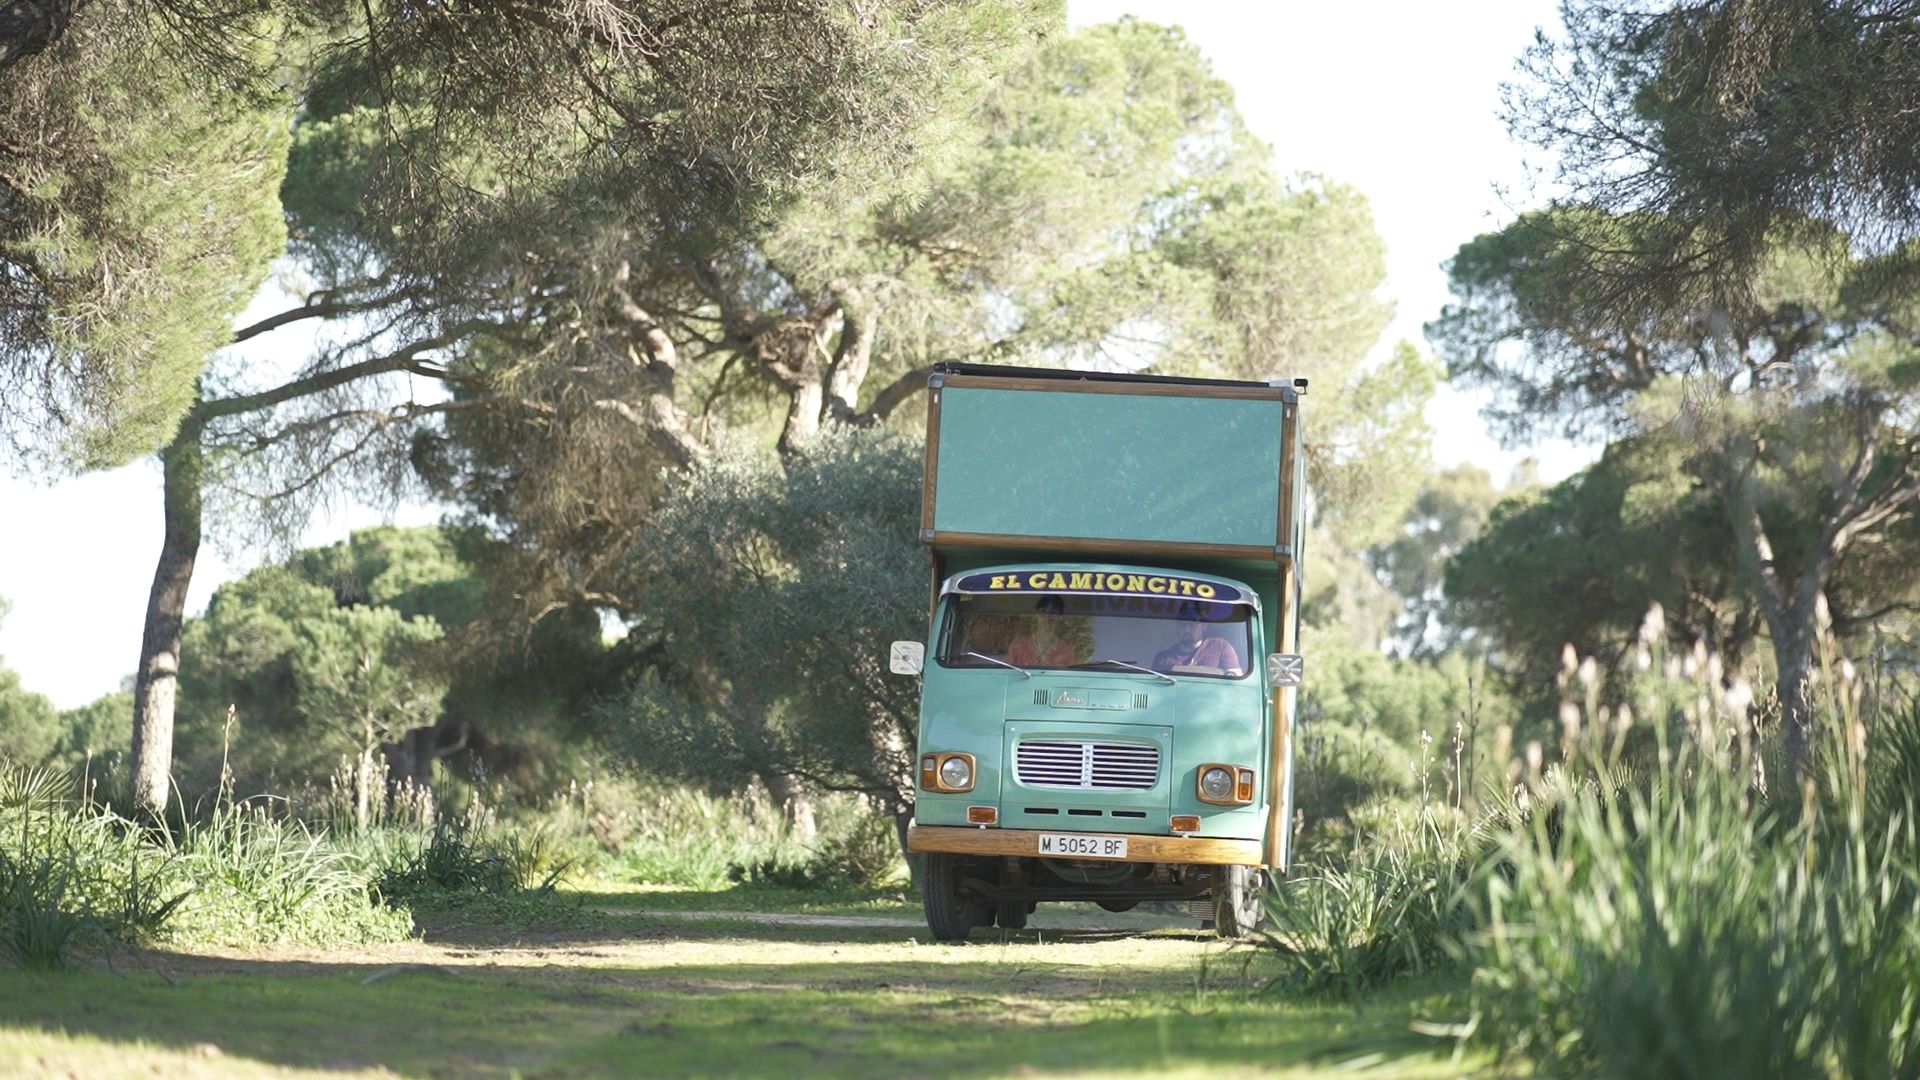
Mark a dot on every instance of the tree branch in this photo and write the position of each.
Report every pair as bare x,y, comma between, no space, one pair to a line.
895,394
319,305
322,381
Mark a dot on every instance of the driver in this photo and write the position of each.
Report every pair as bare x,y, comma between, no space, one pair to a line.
1194,646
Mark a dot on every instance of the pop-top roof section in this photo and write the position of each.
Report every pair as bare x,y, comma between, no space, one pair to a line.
1290,389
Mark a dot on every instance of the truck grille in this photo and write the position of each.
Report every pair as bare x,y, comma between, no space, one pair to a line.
1086,765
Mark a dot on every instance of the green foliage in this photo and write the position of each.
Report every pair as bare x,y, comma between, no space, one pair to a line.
94,737
682,836
1741,121
1450,511
272,645
774,591
261,877
107,315
1100,204
859,851
1581,562
1394,905
1696,923
455,859
1371,727
30,727
1777,425
357,667
74,874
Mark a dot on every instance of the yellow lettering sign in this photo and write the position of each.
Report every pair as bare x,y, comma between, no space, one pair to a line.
1085,581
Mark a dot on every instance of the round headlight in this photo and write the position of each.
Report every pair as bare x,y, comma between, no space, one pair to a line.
1216,783
956,773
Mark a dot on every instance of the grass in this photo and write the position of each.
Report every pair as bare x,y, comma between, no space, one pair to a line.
1688,921
1660,900
677,997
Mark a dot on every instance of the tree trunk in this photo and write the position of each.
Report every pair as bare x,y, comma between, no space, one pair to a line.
796,805
1793,659
157,679
28,27
902,817
803,411
363,783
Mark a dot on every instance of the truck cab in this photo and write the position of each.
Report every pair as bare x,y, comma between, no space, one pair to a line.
1113,727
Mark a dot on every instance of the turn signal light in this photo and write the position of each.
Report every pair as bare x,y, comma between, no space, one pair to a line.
982,815
1185,823
1243,787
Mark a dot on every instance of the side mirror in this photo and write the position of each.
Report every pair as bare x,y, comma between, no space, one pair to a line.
906,657
1285,669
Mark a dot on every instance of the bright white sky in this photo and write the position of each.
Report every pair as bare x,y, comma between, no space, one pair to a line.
1397,99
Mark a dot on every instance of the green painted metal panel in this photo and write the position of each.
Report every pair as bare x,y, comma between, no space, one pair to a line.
1200,470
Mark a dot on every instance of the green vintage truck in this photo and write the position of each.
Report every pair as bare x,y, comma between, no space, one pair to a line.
1108,681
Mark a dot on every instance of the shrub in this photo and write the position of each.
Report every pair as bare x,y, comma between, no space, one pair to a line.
461,859
859,851
258,878
73,872
1694,923
1393,904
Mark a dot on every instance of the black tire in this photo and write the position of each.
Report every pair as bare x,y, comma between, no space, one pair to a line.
951,914
1118,906
1011,914
1237,901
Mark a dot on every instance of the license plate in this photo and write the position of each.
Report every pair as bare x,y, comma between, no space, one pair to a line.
1082,846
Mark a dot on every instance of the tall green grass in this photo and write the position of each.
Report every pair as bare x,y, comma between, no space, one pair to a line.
1708,919
1657,898
1390,904
685,837
74,873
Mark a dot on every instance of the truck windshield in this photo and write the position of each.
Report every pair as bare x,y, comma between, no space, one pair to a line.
1180,637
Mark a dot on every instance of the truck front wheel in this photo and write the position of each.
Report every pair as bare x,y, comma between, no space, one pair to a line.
951,914
1237,905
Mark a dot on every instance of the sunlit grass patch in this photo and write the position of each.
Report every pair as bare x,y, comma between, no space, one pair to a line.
604,1003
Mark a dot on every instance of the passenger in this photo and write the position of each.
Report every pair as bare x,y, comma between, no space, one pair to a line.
1195,646
1039,643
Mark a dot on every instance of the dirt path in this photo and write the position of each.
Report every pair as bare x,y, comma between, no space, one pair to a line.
765,918
734,993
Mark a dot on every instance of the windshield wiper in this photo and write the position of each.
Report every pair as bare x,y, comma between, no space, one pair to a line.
1126,664
1024,673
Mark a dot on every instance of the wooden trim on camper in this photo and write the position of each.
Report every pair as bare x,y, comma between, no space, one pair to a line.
1289,451
1090,545
1093,386
938,566
1202,850
1285,620
1278,793
931,479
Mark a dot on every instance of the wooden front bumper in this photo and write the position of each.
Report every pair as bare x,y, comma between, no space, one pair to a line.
1206,850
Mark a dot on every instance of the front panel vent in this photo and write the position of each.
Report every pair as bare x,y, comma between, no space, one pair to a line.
1059,763
1139,701
1039,697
